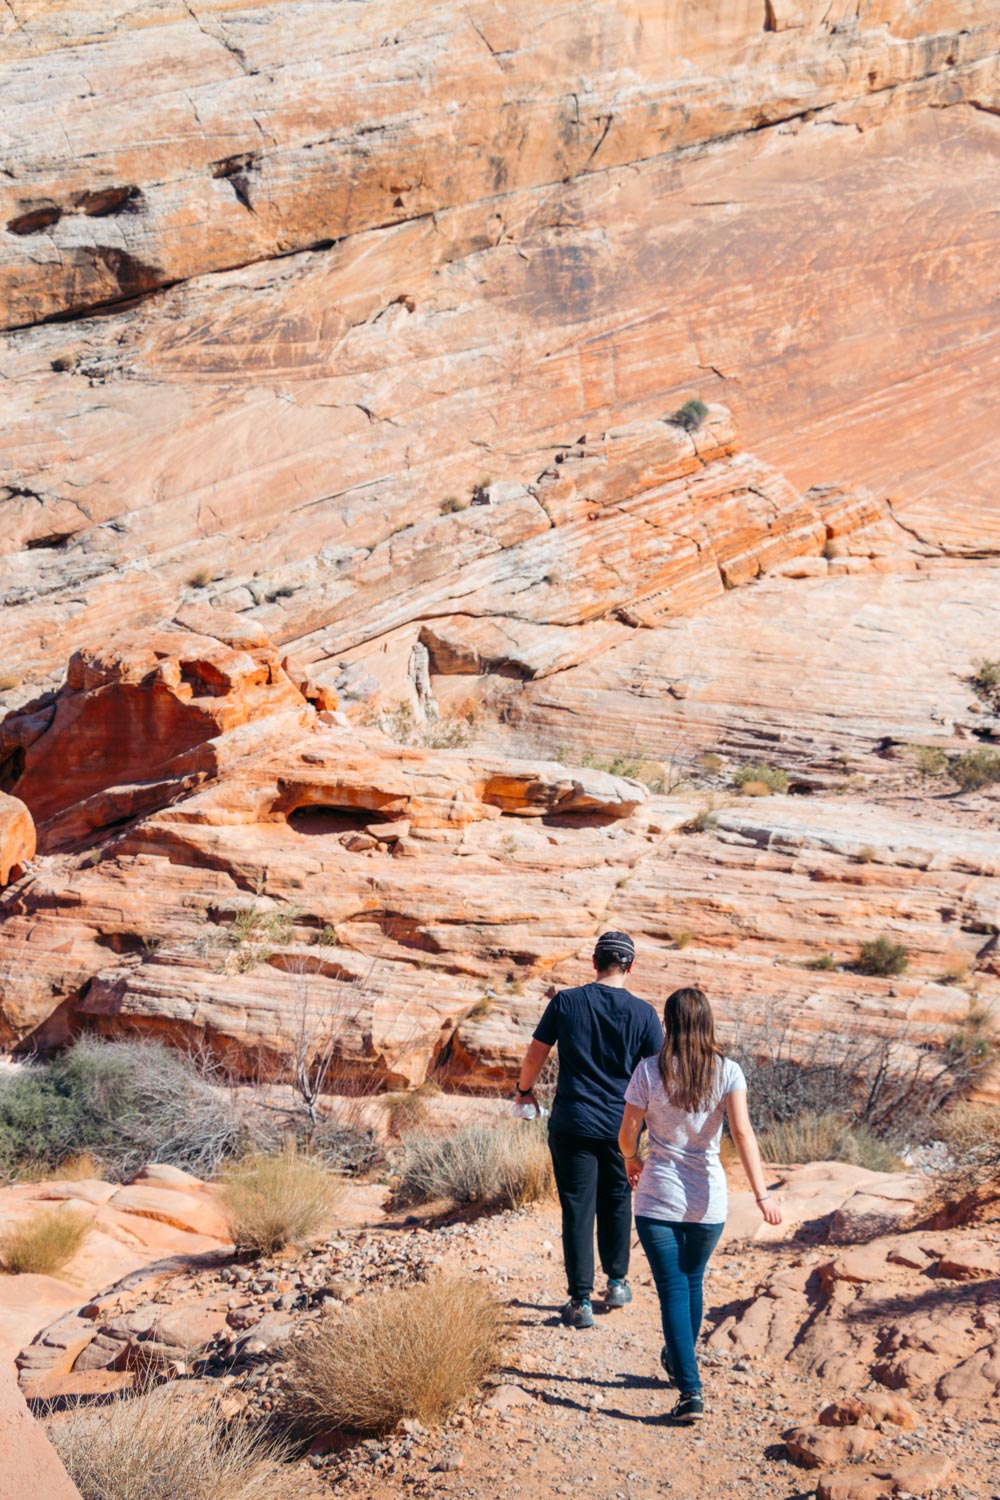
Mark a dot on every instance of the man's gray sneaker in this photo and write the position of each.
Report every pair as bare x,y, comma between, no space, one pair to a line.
618,1294
578,1313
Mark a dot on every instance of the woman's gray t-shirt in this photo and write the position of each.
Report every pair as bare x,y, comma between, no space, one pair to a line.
682,1179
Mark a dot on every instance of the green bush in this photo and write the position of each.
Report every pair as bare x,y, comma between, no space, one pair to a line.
689,416
986,682
772,777
975,769
882,957
126,1102
931,761
825,961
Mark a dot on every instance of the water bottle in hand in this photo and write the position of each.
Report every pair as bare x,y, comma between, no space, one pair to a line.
527,1109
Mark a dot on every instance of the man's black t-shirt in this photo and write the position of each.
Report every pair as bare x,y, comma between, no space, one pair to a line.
602,1034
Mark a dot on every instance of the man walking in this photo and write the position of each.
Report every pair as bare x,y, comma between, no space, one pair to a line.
602,1032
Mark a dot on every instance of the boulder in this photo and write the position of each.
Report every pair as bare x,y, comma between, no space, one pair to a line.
30,1465
904,1476
868,1410
823,1446
17,838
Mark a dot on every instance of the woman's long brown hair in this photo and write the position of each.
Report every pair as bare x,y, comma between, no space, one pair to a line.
688,1060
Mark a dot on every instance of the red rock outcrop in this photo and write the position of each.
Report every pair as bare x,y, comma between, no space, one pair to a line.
434,258
30,1463
125,731
637,202
17,838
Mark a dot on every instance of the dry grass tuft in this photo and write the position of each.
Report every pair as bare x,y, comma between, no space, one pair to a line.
418,1351
405,1112
501,1166
159,1446
972,1134
278,1200
43,1244
827,1137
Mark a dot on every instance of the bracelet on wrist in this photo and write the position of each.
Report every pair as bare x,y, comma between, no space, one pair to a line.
762,1200
522,1092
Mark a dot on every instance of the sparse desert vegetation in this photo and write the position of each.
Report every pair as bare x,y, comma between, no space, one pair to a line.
165,1445
758,779
975,770
690,416
278,1199
492,1166
125,1103
44,1243
416,1351
882,957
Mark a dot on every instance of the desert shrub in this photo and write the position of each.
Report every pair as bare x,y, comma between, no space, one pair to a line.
163,1446
883,1083
689,416
124,1102
760,774
985,681
882,957
704,819
827,1137
327,937
405,1112
8,682
823,962
255,934
865,855
451,504
418,1352
971,1133
683,937
402,725
930,761
201,579
975,769
347,1147
44,1243
281,1199
971,1046
492,1166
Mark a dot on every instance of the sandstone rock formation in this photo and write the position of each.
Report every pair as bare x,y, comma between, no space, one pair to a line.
163,1215
397,262
17,838
636,201
30,1464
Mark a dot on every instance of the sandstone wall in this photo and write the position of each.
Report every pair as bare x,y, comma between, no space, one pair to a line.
285,288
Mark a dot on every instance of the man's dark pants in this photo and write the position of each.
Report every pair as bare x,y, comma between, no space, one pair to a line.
590,1177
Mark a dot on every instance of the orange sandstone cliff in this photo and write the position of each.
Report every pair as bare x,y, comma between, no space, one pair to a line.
352,565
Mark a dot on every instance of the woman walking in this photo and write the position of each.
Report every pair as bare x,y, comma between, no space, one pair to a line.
680,1202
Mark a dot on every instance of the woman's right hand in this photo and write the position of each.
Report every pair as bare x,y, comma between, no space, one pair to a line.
772,1213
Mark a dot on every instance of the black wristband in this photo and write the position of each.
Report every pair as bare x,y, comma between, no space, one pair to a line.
523,1092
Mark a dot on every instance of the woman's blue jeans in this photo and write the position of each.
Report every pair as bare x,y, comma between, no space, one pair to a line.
678,1254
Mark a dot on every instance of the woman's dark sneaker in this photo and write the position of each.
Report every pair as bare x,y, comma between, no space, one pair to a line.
618,1294
578,1313
688,1409
665,1362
